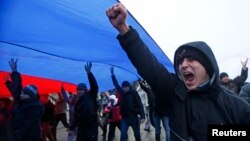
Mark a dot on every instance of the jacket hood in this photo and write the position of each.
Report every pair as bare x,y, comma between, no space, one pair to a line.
207,52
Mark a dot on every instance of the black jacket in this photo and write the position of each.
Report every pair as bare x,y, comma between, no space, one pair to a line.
15,85
26,114
86,107
26,119
190,113
235,84
131,104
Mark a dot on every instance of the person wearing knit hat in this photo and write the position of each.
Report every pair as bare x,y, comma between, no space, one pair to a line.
27,111
30,91
195,54
193,96
85,109
130,107
125,84
82,86
223,74
234,85
81,89
193,66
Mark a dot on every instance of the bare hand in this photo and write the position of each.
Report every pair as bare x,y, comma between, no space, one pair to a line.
244,64
13,64
88,67
117,15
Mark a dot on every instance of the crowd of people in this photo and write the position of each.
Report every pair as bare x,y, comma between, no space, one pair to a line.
35,117
184,102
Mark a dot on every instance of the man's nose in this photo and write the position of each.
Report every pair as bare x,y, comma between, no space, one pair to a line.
184,63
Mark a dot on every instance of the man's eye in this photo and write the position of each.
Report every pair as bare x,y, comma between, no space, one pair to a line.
180,61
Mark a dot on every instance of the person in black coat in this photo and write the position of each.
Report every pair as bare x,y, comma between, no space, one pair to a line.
193,95
27,111
85,112
235,84
130,108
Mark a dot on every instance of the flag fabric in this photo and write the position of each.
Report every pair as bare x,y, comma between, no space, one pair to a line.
53,40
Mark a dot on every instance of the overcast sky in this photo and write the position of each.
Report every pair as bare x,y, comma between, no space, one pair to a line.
223,24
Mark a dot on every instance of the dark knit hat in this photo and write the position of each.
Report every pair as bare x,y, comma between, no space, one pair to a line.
82,86
125,84
30,90
197,55
223,74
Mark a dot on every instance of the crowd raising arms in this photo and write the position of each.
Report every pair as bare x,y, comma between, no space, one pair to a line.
194,96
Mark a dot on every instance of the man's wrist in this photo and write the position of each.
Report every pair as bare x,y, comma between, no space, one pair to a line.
123,29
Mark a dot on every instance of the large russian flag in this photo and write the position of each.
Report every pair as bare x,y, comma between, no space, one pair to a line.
53,40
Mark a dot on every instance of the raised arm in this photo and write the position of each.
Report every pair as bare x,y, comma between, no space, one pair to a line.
117,15
92,81
239,80
145,62
15,84
244,64
64,94
115,82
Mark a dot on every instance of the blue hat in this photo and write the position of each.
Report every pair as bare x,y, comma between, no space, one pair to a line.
82,86
30,90
125,84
